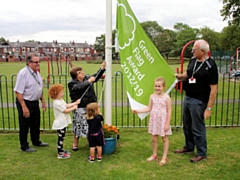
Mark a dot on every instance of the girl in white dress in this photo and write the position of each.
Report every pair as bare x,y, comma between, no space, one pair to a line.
61,116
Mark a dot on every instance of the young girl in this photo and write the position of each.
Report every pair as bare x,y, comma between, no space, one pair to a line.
160,108
96,136
62,117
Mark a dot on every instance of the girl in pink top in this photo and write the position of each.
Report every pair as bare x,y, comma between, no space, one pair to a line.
160,108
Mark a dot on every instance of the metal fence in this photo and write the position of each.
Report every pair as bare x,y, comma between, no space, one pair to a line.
226,111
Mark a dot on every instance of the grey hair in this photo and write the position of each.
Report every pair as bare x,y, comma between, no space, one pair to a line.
204,45
30,56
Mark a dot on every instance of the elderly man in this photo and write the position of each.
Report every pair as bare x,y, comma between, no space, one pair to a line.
28,90
201,84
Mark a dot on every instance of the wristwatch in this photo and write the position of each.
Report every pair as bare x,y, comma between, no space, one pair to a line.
209,108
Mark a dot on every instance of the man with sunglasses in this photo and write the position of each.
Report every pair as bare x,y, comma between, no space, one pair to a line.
201,85
28,91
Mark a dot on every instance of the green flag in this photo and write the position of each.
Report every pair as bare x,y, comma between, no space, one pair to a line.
140,60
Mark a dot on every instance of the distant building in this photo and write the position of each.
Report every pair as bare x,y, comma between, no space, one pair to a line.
18,51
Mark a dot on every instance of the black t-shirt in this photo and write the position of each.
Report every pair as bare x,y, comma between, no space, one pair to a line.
94,125
205,76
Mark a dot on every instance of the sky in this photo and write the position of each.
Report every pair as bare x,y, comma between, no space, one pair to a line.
84,20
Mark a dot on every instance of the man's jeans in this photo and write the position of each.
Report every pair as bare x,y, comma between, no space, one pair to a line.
194,125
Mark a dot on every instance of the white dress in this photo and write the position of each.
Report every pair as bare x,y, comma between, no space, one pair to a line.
61,120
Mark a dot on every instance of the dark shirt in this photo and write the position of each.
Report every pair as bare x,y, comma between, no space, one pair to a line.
78,88
207,75
95,125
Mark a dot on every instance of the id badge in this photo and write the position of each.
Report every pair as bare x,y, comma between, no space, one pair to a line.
192,80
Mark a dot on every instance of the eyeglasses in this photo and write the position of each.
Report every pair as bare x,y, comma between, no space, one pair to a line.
194,50
36,62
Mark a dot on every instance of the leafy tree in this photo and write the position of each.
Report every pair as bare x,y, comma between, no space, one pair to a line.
152,29
178,27
99,45
184,34
230,38
211,37
231,11
165,42
2,39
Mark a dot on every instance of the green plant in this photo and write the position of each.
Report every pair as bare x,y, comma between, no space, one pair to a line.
110,131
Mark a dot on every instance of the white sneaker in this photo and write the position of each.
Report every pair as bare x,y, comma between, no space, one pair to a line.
63,156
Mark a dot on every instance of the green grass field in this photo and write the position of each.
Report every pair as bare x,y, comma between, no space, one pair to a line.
127,162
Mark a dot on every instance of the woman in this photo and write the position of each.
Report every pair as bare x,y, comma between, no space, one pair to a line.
81,86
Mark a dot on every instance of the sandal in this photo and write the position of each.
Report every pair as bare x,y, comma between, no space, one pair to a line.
74,148
163,161
151,158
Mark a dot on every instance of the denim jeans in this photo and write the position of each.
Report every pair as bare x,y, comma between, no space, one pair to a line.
194,125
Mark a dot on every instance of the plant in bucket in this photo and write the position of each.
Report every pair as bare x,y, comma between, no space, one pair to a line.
111,134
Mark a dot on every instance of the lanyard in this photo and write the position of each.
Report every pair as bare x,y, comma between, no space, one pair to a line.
194,72
34,76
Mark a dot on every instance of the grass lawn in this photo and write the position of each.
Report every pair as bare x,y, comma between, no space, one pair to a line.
128,161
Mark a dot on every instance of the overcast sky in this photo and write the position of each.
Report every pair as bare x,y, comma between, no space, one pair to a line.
84,20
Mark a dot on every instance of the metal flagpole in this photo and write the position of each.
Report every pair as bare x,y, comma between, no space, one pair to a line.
108,58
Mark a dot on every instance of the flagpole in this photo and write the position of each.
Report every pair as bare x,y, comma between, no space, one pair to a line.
108,58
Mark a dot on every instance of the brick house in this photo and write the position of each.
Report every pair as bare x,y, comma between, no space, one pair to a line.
18,51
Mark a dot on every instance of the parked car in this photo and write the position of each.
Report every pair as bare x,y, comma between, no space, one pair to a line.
227,57
236,74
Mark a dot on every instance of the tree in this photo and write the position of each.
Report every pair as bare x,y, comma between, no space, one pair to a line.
165,42
152,29
99,45
231,11
2,39
184,34
211,37
230,38
178,27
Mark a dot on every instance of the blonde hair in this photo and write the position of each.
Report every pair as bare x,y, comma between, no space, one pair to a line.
54,90
92,110
161,79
